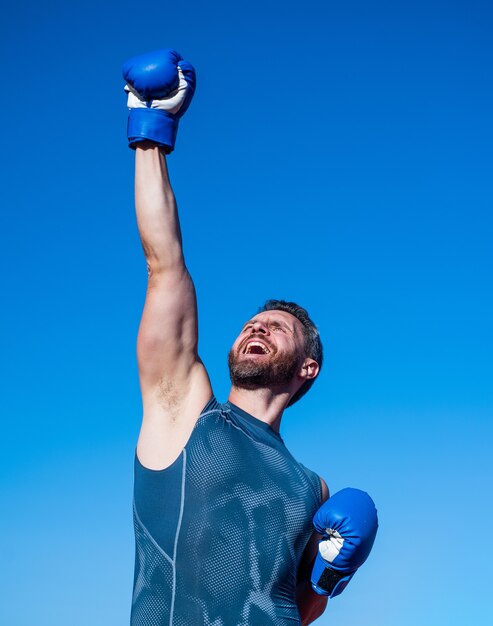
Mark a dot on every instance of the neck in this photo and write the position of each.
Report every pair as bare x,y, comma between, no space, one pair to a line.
266,405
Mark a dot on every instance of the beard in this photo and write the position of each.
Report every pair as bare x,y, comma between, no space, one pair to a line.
276,371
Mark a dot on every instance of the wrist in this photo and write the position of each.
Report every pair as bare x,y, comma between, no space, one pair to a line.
146,144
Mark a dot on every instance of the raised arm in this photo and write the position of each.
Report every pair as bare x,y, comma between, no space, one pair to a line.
167,340
174,382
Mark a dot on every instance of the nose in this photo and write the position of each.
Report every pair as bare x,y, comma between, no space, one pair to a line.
259,327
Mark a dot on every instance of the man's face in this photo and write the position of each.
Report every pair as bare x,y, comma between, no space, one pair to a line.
268,352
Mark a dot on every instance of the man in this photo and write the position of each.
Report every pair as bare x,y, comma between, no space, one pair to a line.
223,513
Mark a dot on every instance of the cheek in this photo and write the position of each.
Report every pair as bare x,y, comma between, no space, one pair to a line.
288,347
237,344
298,349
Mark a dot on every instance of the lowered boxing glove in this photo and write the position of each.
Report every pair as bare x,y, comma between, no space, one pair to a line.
348,522
160,86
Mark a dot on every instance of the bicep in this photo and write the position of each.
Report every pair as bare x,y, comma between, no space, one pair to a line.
174,383
168,333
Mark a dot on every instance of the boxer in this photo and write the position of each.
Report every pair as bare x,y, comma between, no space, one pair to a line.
222,511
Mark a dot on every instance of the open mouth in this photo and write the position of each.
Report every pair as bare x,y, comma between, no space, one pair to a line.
256,347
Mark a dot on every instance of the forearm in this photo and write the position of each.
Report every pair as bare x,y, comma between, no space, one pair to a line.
310,604
157,214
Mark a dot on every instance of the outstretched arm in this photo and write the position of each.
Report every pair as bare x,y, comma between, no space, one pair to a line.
174,383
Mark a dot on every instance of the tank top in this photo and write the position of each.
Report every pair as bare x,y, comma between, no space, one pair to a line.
220,532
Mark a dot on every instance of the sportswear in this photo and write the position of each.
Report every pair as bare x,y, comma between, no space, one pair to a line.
220,532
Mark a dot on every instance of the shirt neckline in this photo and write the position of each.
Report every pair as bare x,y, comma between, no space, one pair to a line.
254,420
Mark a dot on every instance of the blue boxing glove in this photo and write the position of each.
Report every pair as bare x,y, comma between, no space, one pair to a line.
160,86
348,522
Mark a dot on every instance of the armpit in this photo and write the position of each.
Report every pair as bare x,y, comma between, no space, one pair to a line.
168,397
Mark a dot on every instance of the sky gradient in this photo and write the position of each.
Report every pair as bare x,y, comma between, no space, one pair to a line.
335,154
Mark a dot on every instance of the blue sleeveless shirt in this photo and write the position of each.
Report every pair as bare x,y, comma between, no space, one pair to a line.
220,532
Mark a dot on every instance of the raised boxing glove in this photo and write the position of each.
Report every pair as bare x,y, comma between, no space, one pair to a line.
160,86
348,522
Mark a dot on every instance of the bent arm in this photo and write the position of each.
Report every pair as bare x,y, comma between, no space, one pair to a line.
173,380
310,604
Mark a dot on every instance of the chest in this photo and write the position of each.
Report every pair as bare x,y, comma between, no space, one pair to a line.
239,482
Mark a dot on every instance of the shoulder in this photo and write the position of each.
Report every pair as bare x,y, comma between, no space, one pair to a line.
318,483
212,406
325,489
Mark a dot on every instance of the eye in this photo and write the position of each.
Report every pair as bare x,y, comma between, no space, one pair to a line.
276,327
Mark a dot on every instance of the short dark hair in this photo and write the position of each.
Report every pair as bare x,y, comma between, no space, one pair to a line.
313,344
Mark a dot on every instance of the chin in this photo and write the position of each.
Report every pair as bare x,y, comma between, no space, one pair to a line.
261,372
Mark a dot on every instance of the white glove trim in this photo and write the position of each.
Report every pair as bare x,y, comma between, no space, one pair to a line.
172,103
329,548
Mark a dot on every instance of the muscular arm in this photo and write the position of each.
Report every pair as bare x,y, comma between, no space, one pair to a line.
310,604
174,383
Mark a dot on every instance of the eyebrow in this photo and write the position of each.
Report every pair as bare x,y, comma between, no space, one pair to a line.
275,322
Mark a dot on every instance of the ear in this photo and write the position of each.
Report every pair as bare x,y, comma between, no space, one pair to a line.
309,369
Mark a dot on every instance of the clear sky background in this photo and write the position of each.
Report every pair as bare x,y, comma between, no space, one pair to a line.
338,154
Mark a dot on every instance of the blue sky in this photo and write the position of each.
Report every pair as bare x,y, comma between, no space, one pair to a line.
336,154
